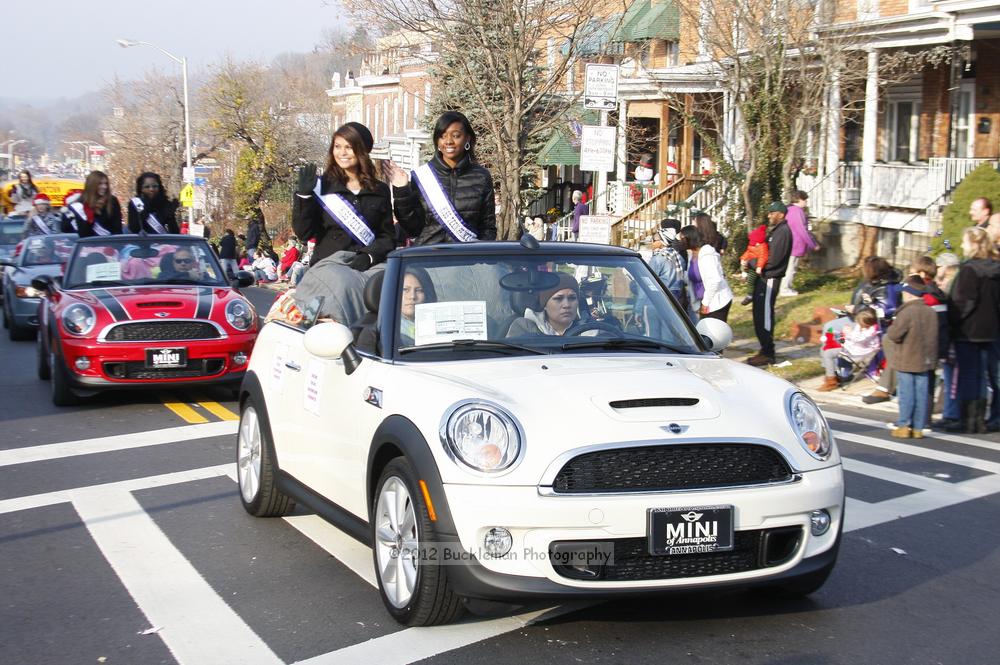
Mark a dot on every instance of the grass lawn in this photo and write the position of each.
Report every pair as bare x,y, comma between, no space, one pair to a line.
815,290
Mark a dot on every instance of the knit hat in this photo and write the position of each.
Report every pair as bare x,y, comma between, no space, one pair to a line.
42,198
758,235
566,281
366,136
778,206
947,259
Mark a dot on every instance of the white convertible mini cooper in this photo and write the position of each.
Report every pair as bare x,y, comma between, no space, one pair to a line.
515,421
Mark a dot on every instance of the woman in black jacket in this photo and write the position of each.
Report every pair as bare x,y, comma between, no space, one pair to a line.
348,193
450,198
97,212
150,210
974,315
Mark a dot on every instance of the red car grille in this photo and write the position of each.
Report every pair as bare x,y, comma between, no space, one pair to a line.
138,370
162,331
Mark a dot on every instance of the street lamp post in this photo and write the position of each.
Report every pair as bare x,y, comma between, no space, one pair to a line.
126,43
10,152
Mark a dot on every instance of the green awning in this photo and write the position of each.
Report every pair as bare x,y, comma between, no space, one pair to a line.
563,146
644,20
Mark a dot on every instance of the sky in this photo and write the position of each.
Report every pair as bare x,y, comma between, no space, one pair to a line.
65,48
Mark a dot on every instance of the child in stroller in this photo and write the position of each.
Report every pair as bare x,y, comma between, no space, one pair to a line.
849,347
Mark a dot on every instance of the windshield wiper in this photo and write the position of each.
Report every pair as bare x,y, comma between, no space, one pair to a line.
623,343
473,345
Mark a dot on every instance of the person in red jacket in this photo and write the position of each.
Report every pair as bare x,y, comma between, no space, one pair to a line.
288,260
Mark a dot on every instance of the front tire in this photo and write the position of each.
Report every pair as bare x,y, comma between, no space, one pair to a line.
412,582
62,394
255,467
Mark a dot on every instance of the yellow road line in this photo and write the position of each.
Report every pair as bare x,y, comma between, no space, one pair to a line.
218,410
184,411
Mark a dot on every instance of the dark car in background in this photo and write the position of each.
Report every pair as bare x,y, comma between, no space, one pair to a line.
39,255
11,229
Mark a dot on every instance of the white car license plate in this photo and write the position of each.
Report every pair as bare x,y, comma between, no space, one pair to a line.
690,530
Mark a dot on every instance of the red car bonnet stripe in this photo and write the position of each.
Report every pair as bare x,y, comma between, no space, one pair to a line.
112,304
205,302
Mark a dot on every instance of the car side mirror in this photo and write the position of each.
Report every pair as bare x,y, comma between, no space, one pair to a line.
333,340
43,283
243,279
717,334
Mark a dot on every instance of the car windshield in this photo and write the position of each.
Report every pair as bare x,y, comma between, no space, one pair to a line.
135,260
47,250
476,306
10,230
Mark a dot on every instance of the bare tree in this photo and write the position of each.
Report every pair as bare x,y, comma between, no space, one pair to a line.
504,64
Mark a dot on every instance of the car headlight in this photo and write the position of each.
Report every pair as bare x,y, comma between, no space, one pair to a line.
27,292
481,436
240,314
811,426
79,319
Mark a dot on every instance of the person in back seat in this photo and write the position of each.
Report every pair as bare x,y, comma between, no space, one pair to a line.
417,289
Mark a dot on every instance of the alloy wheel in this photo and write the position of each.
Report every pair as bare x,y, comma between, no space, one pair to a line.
397,541
248,460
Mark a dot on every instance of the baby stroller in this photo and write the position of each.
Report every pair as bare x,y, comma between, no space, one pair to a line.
849,368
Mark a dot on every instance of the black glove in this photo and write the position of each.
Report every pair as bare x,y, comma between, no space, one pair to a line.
361,262
307,178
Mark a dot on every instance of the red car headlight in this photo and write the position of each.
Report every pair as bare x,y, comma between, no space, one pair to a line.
240,314
78,319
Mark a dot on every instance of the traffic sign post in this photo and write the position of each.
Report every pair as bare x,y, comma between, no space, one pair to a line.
601,90
597,149
187,196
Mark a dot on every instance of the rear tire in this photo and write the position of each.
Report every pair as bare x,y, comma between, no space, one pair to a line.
62,394
412,581
19,333
42,354
255,467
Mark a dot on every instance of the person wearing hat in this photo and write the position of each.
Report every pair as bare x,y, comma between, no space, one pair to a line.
450,198
911,349
558,309
765,289
348,210
42,221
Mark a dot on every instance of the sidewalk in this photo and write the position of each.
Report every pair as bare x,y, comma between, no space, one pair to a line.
787,351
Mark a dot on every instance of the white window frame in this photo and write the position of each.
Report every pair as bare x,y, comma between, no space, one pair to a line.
867,10
967,88
892,109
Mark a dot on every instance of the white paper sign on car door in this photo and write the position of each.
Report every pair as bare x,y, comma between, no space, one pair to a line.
278,366
448,321
314,387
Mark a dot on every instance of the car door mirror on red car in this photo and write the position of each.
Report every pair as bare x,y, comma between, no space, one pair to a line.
243,279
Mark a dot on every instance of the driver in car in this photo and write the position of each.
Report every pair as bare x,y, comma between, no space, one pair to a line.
560,308
183,265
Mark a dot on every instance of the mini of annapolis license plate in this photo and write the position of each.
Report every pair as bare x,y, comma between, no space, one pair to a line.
690,530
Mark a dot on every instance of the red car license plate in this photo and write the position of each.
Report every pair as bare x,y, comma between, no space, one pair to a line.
166,358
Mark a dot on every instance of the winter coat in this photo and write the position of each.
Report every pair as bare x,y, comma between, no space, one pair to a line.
165,212
84,228
880,294
310,220
802,241
227,246
911,343
938,301
717,292
50,219
469,186
779,251
253,235
974,311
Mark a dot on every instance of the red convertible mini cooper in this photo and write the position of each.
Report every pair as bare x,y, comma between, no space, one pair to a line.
142,311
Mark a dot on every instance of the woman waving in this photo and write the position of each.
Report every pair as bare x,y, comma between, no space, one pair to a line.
97,212
348,210
450,198
150,210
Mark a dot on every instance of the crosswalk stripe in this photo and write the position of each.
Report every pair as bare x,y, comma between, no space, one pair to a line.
894,476
917,451
880,424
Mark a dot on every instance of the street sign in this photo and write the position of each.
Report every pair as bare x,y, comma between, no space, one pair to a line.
196,230
596,229
188,174
187,196
601,90
200,181
597,148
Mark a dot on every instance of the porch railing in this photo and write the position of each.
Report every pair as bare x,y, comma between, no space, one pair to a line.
639,222
952,170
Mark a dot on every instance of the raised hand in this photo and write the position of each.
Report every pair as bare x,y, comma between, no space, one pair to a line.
307,178
396,176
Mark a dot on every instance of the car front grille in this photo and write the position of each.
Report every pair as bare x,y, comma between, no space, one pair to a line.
672,467
137,370
162,331
632,562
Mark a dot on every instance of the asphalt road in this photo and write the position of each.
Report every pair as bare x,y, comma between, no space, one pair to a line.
122,540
